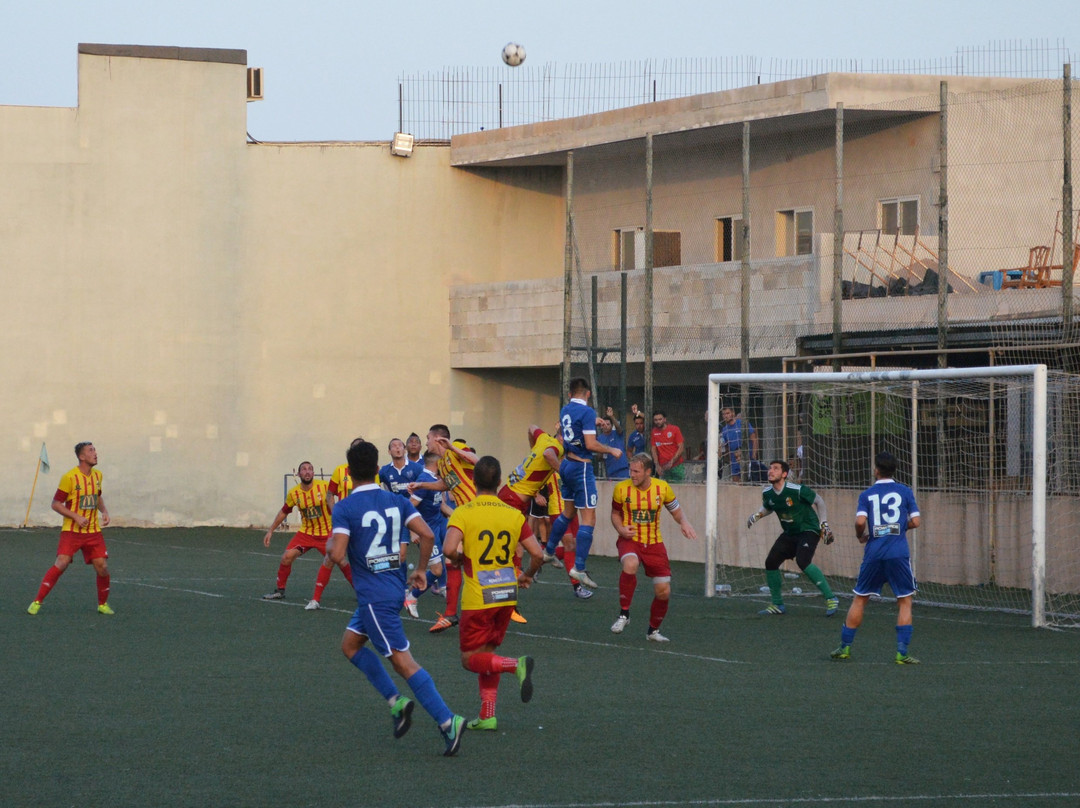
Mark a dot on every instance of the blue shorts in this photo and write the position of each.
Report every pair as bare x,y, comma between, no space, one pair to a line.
578,483
874,574
436,551
380,622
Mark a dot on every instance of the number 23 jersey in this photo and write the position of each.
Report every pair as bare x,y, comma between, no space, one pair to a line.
491,530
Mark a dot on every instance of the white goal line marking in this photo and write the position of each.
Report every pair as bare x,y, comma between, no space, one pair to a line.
790,800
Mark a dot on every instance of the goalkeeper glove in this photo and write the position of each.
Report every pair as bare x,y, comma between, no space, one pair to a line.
826,533
753,518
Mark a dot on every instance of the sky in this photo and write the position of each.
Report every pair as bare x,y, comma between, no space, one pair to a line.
331,69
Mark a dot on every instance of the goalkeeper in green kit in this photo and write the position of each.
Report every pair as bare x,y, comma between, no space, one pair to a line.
803,527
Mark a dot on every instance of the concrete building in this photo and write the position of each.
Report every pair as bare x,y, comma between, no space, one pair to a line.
211,311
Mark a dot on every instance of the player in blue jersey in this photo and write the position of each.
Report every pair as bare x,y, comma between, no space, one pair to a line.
577,422
399,472
368,525
885,513
429,504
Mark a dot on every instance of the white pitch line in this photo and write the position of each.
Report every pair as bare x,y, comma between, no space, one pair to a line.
630,648
909,798
173,589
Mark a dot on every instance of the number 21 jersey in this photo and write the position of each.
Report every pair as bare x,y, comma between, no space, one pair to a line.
375,522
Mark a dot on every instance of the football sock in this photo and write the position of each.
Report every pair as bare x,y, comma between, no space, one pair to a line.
442,576
903,638
485,662
584,544
814,573
321,580
347,572
371,666
558,530
775,579
657,612
51,576
423,687
847,635
453,590
283,575
103,589
489,693
627,585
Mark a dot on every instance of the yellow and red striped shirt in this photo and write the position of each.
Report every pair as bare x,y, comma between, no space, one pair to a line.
554,495
341,484
81,494
458,475
640,508
313,507
529,478
490,531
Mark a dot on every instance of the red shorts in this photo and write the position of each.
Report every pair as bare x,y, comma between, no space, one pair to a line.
480,627
91,544
305,541
511,498
653,558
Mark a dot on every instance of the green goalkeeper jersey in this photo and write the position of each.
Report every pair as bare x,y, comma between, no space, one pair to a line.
793,505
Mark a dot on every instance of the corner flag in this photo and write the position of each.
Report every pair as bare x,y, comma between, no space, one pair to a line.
42,465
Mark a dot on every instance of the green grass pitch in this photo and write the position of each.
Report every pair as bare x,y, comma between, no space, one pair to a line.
198,693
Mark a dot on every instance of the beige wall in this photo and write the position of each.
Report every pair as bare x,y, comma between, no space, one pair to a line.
211,312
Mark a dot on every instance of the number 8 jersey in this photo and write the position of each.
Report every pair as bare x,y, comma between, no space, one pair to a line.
887,506
491,530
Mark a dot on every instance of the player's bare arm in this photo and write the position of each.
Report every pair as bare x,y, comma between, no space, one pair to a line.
451,547
593,445
464,454
427,485
860,530
617,522
67,513
103,511
684,524
336,546
536,557
277,523
420,528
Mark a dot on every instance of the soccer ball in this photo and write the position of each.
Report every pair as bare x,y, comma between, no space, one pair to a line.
513,54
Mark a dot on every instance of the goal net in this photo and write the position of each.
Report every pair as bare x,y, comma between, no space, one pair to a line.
991,454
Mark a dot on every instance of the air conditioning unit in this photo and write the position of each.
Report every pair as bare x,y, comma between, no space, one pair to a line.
255,84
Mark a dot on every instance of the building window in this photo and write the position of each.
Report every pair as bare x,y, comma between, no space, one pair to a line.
628,246
899,216
729,239
794,232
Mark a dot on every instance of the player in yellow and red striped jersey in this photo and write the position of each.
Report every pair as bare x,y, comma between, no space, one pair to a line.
78,500
483,536
533,473
312,499
455,473
635,514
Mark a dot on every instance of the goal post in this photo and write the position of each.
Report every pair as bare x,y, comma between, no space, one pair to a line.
971,442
